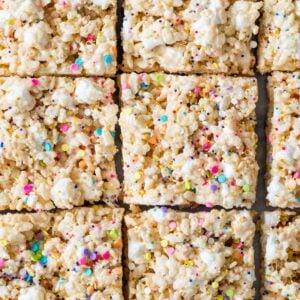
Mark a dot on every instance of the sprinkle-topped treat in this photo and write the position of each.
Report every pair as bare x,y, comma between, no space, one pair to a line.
279,41
177,255
56,142
283,140
66,255
281,248
189,139
46,37
190,36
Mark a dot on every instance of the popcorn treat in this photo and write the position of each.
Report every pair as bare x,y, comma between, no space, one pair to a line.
189,139
56,142
45,37
190,36
283,139
281,248
176,255
67,255
279,38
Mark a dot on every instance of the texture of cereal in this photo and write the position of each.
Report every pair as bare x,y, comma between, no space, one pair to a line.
281,248
67,255
177,255
46,37
283,140
190,36
189,139
279,37
56,142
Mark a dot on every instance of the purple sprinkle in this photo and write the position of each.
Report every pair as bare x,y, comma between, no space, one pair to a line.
164,209
93,255
213,187
86,252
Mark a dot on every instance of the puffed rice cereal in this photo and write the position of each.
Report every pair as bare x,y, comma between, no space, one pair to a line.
46,37
191,256
190,36
189,139
66,255
56,142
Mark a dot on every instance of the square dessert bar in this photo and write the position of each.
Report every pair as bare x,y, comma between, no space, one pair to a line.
189,139
47,37
190,36
67,255
281,249
177,255
284,140
279,45
56,142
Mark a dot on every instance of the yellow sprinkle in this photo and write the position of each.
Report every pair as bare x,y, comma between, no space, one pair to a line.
45,233
55,255
215,284
148,256
81,153
3,243
142,193
64,147
137,175
220,297
189,263
128,110
276,31
215,66
164,243
188,185
10,22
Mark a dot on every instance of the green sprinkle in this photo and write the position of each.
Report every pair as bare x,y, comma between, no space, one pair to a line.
113,234
229,293
246,188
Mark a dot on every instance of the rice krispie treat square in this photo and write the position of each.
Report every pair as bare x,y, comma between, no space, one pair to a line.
177,255
284,140
67,255
189,139
56,142
281,249
279,37
190,36
46,37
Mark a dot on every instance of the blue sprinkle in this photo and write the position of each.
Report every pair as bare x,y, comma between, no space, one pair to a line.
44,260
108,59
47,146
164,118
144,85
298,199
98,131
113,134
79,61
28,278
88,272
222,179
25,200
35,246
1,145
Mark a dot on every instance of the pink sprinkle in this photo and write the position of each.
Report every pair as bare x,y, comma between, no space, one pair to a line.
206,146
296,175
201,222
197,90
270,138
74,67
35,82
209,204
2,263
214,169
106,255
239,245
170,250
125,86
173,224
27,188
90,37
82,261
141,76
64,127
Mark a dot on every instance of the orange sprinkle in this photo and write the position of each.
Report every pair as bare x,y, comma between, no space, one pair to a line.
152,140
117,244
